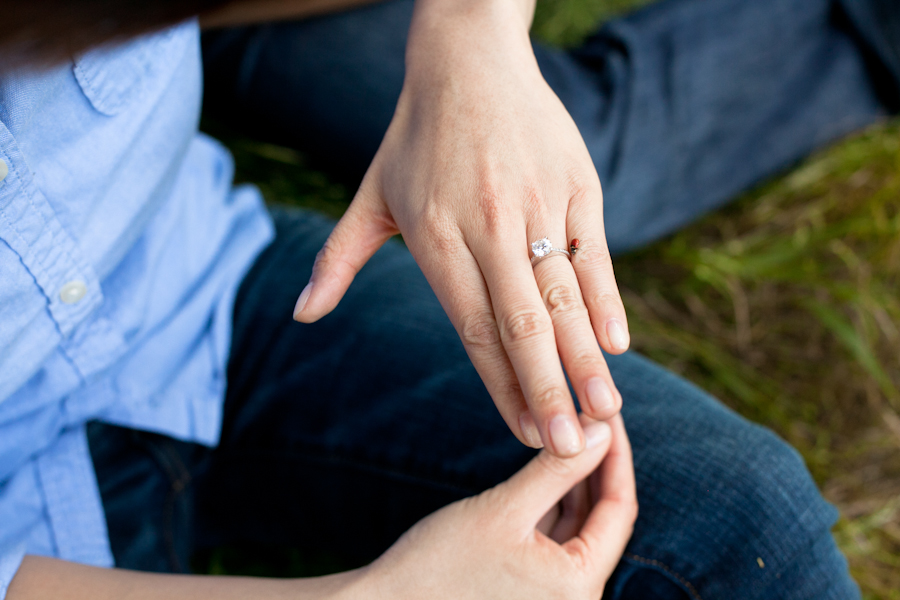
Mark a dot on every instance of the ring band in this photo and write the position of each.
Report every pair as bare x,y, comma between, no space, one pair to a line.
543,248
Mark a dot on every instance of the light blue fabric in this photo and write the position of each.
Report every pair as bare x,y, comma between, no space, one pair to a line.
111,186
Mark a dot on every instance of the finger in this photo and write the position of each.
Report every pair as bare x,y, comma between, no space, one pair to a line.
578,349
611,521
574,509
540,484
526,331
593,266
456,279
363,229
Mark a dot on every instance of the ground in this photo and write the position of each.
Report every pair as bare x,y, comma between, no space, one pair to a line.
784,305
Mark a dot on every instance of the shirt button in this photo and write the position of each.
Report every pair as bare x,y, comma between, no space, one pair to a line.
4,170
72,292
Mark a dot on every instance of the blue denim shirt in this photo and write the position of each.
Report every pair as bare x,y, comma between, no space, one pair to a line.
122,245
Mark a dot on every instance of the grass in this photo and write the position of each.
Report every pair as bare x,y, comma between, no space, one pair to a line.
785,305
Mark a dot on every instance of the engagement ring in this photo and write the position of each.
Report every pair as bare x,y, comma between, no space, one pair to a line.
544,248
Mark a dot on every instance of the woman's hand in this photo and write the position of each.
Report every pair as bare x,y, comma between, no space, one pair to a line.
480,160
490,546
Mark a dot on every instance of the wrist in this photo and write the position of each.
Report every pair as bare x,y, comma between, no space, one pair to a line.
522,11
348,585
447,33
359,584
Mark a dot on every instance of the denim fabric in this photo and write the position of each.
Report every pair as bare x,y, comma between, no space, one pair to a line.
339,435
877,26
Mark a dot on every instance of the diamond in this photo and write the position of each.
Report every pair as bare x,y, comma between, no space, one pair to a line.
541,247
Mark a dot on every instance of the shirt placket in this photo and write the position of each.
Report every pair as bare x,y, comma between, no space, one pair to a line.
28,224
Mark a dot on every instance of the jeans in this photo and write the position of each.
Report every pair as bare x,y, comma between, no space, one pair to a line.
338,436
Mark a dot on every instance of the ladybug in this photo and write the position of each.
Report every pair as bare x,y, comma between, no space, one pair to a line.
573,247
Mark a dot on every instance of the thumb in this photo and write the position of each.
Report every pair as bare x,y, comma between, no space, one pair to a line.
540,484
363,229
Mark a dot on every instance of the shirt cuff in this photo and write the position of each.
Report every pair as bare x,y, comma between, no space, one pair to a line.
10,561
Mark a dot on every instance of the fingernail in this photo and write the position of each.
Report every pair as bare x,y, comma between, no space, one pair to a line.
599,396
564,436
530,431
596,433
301,301
617,334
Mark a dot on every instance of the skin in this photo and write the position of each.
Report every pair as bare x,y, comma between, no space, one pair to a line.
516,540
480,159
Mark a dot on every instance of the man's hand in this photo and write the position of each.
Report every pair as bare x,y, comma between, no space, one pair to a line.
516,540
497,545
480,160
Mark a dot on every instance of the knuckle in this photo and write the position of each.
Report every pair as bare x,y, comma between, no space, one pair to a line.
596,255
557,466
585,360
513,390
524,326
626,509
331,260
492,206
434,220
440,232
561,299
632,510
534,206
605,300
585,190
548,398
580,191
479,331
583,181
329,254
329,248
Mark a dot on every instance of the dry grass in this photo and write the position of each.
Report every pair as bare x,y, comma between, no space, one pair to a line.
785,306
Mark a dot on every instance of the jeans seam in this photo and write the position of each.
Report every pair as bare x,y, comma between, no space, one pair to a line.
665,569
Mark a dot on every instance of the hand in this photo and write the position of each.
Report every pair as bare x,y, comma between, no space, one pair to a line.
489,546
481,159
495,545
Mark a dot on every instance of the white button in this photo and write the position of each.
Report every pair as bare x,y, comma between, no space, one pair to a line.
72,292
4,170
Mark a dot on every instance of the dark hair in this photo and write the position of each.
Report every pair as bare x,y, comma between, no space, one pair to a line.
41,32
